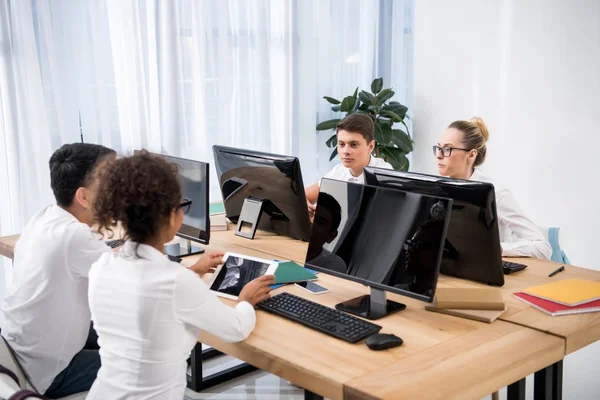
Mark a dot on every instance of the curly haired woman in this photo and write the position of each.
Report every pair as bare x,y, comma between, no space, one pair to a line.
147,310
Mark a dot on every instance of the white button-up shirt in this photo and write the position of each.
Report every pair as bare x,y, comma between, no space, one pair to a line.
341,173
148,312
519,236
45,314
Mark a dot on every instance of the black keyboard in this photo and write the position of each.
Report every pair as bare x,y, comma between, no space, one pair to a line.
323,319
510,267
113,244
174,258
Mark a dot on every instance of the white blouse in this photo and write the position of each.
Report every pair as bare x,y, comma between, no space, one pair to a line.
148,312
519,236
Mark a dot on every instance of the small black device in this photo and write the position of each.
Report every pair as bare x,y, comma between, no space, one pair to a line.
510,267
383,341
316,316
113,244
174,258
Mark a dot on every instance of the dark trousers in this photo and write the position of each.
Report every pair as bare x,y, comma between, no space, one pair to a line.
81,372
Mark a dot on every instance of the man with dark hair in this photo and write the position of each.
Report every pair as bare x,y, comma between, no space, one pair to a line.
45,314
325,229
355,144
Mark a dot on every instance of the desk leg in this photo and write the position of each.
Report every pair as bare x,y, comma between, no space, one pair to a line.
516,391
557,381
197,382
308,395
548,382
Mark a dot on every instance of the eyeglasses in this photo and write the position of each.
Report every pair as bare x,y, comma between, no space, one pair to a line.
446,150
185,206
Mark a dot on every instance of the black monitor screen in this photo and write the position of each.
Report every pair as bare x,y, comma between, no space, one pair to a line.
386,238
273,178
472,248
193,177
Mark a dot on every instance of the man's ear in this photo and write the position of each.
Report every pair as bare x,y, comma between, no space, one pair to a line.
371,146
82,197
331,236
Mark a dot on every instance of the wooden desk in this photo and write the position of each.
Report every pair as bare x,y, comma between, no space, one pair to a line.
7,246
579,330
469,359
277,246
466,367
445,346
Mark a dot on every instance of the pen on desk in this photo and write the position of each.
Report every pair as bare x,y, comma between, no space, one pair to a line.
562,268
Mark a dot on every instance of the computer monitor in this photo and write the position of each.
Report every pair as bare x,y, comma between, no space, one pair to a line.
269,184
193,177
386,238
472,248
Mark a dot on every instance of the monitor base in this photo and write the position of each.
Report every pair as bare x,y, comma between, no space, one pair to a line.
183,249
371,306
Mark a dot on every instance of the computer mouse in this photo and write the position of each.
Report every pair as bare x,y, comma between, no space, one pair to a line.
382,341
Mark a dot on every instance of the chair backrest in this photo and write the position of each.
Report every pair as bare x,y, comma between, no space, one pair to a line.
9,383
8,360
26,395
552,236
558,255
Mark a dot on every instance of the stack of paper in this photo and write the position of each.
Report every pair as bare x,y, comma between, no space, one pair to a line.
569,296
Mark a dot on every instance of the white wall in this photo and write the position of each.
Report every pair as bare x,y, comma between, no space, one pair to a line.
531,70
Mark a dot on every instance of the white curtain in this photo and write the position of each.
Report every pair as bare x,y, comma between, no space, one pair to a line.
177,76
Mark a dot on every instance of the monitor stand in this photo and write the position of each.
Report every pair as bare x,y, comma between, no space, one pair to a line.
182,249
252,211
373,306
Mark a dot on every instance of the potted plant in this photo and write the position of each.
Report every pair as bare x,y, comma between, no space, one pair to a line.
391,142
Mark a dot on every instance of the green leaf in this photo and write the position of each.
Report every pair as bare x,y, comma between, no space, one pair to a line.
332,141
394,156
393,116
347,104
334,154
376,85
402,140
383,134
356,106
385,95
355,92
367,98
332,100
407,130
330,124
335,108
396,108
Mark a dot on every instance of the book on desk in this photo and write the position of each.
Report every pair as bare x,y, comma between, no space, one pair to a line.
564,297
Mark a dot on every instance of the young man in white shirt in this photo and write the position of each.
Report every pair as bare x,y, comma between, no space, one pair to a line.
45,314
355,144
